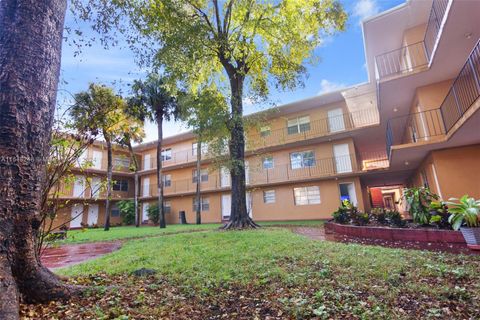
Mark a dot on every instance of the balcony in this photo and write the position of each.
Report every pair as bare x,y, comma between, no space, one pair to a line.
255,140
284,173
414,57
428,126
415,128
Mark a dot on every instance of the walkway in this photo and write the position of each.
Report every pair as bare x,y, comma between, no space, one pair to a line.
320,234
67,255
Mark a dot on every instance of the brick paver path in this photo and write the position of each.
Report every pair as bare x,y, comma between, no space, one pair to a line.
67,255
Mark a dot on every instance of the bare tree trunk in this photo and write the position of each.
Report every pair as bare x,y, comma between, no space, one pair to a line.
136,182
239,217
30,51
161,213
109,182
198,209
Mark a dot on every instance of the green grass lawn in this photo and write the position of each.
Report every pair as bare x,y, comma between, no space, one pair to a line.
276,273
130,232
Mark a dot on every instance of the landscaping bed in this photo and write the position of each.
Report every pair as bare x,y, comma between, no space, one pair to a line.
397,234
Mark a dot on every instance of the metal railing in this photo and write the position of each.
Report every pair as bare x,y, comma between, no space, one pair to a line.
464,91
437,13
255,140
259,176
415,56
403,60
414,127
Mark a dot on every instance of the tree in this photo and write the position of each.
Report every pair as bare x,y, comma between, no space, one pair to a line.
206,113
240,46
30,49
156,104
99,110
132,131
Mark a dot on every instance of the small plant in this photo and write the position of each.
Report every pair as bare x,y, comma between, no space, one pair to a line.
360,218
127,211
439,214
341,216
394,218
418,200
152,213
379,215
465,211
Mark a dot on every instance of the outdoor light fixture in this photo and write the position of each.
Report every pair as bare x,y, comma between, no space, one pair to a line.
468,35
407,163
395,109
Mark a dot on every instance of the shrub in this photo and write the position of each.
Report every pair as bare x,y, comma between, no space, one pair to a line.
341,216
378,214
152,213
418,200
127,211
439,214
394,218
360,218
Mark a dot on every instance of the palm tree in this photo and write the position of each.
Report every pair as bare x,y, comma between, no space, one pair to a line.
154,102
99,110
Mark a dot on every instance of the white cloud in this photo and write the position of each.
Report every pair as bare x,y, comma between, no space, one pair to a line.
328,86
248,102
365,8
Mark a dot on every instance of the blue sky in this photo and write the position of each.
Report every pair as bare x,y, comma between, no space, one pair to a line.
342,63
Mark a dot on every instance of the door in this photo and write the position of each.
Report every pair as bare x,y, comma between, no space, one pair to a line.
226,206
248,198
96,185
79,186
347,192
224,177
146,162
335,120
343,163
146,187
76,216
145,212
92,218
97,159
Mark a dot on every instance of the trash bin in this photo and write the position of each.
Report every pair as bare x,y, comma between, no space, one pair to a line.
182,217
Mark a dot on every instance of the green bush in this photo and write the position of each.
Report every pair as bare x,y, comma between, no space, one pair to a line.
394,218
418,200
152,213
464,212
341,216
127,211
378,214
360,218
439,214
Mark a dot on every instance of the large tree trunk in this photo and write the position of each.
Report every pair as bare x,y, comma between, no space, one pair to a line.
239,218
161,213
109,182
197,194
30,50
136,186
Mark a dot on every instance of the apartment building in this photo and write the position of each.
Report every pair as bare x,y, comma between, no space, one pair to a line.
415,122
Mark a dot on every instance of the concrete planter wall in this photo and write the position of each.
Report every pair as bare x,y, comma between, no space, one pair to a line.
397,234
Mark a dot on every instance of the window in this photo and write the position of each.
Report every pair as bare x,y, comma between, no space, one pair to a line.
306,195
297,125
265,131
121,162
115,211
167,154
269,196
302,159
205,204
268,163
204,148
424,176
167,206
120,185
203,175
167,180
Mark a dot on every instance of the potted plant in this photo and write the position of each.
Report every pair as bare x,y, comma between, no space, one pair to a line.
464,215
